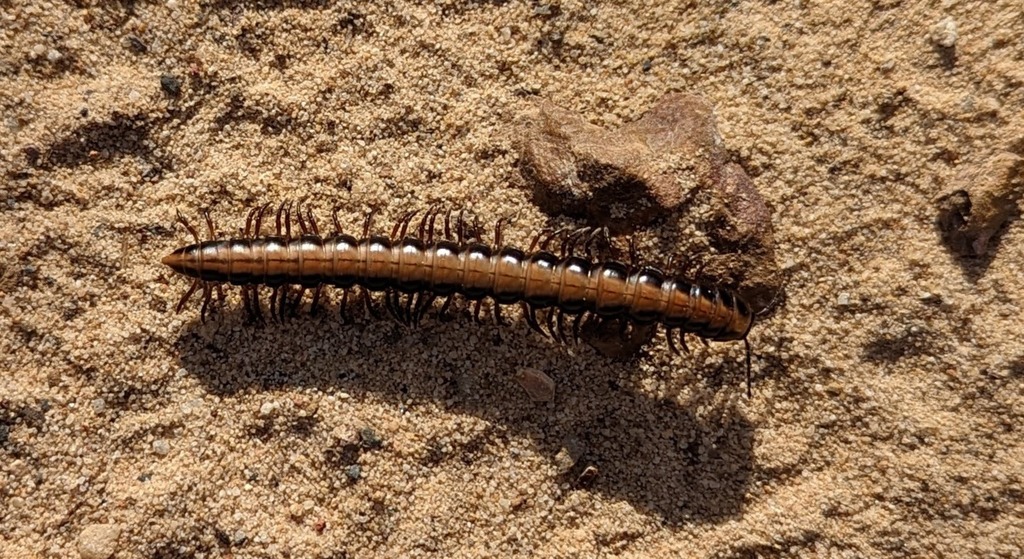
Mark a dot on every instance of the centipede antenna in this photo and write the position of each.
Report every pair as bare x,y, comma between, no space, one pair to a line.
188,226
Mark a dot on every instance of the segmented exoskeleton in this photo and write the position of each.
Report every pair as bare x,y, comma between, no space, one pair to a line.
423,263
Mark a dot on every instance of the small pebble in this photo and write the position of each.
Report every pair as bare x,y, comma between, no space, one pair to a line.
354,472
268,409
161,447
98,541
170,84
944,33
54,55
369,438
843,300
239,537
538,385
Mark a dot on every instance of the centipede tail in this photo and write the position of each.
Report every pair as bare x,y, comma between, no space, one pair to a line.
422,261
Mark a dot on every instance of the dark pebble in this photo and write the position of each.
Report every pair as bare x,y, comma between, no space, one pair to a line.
170,84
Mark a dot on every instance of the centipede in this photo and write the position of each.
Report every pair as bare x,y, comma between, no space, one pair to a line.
439,255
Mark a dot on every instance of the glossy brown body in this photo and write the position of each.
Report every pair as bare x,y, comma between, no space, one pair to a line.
542,280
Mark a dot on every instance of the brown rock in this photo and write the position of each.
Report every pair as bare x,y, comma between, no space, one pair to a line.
651,169
983,198
623,178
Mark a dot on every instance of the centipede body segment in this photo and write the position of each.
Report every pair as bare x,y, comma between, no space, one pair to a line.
441,257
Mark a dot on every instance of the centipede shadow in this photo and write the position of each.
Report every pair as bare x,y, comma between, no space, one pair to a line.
655,454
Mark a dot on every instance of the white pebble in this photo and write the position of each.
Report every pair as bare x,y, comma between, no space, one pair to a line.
53,55
98,541
161,447
268,409
843,299
944,33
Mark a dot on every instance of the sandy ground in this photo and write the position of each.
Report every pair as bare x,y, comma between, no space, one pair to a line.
887,413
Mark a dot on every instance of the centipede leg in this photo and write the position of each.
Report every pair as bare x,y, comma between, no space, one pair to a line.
343,308
248,223
273,303
303,227
433,222
426,300
531,317
443,313
298,301
549,319
391,304
448,224
207,296
312,221
258,226
368,222
209,225
334,219
188,295
561,327
576,327
368,302
402,224
280,217
497,314
315,307
257,307
671,341
682,341
536,239
407,311
188,226
476,310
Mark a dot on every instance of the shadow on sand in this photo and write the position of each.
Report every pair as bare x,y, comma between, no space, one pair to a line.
656,454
